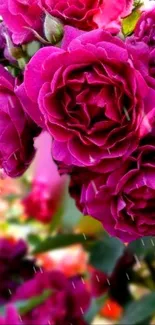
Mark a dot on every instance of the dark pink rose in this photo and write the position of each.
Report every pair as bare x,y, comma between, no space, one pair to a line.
68,302
90,97
145,28
143,58
124,200
15,267
17,131
78,177
89,14
142,45
19,16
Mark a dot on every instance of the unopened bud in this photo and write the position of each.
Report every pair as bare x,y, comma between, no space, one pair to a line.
14,51
53,29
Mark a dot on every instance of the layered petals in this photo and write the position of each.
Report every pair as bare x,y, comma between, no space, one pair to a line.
17,131
91,99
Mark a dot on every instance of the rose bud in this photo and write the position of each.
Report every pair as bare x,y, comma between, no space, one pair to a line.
53,29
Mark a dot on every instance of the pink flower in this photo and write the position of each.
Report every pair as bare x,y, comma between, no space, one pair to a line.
65,305
15,267
110,14
144,30
142,45
91,99
11,317
47,188
19,16
89,14
124,200
17,131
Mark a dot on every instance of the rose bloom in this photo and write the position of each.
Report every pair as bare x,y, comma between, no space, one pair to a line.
145,28
142,45
91,99
15,267
17,131
19,16
89,14
68,301
44,198
124,200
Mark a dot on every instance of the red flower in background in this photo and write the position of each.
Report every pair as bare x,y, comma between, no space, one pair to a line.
111,310
71,261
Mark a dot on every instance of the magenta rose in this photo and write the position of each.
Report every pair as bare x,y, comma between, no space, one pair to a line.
142,46
15,267
145,28
89,14
19,16
90,97
143,58
124,200
68,302
17,131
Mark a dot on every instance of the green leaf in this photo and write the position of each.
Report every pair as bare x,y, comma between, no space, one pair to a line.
95,307
139,311
129,23
142,247
11,197
105,253
26,306
59,241
33,239
56,220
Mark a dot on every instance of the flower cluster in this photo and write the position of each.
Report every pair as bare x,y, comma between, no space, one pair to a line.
58,292
94,93
68,301
67,297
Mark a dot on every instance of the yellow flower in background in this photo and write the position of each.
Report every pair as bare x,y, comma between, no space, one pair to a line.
89,226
